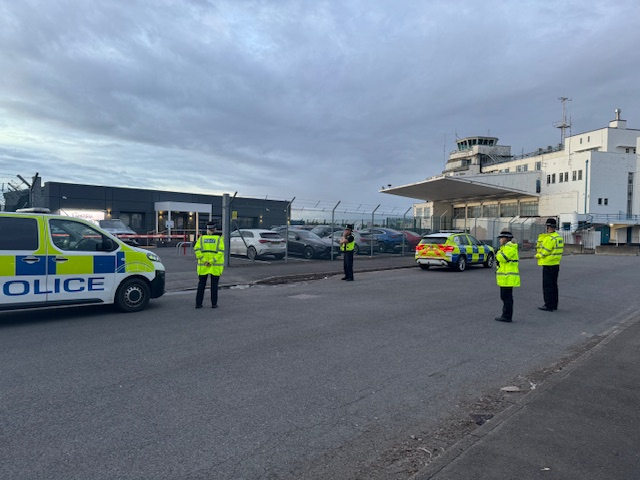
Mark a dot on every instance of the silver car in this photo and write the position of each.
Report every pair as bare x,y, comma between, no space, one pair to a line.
255,243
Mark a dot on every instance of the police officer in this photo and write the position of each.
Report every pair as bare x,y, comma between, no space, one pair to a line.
549,250
347,248
507,273
210,255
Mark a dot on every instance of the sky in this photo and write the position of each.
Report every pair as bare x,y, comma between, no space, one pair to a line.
322,101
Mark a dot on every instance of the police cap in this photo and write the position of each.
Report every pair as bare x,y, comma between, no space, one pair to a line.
349,226
551,222
506,233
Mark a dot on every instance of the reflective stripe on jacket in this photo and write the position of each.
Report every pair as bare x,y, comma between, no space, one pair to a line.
507,265
549,249
210,249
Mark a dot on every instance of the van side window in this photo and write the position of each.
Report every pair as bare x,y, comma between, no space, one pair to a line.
23,234
70,235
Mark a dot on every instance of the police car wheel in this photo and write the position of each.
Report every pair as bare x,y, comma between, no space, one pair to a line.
489,262
132,296
461,263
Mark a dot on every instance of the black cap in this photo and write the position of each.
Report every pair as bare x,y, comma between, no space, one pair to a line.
212,225
551,222
506,233
349,226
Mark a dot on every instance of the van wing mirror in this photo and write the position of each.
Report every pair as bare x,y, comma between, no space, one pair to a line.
107,245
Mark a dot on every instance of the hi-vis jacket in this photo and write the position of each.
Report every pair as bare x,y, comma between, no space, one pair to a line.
210,254
349,246
507,265
549,249
51,260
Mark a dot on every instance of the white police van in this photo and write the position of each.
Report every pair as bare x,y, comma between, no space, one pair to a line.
52,260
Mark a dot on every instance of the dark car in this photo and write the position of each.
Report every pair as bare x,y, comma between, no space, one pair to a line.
326,230
384,239
309,245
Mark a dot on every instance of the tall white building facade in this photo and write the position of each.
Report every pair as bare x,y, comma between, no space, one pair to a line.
590,183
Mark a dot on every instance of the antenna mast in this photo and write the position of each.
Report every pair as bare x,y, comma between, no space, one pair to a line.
564,124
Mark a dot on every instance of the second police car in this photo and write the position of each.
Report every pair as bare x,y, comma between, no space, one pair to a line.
456,250
51,260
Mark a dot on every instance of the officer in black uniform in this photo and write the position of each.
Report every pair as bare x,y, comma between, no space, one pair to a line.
347,249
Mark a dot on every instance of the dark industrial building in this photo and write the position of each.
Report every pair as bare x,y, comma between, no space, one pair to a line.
149,211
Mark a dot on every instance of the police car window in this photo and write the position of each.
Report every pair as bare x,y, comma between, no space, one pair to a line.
24,234
75,236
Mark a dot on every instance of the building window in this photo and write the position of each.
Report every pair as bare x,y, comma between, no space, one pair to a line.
509,210
537,166
574,175
630,192
525,168
529,209
580,175
491,210
549,178
600,201
605,201
588,138
459,212
538,186
566,176
554,178
475,211
135,220
519,168
581,140
560,177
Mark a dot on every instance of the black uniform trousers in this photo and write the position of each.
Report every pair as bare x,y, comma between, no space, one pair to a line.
508,302
202,283
551,286
348,265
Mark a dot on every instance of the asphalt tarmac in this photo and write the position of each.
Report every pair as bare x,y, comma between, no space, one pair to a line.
582,423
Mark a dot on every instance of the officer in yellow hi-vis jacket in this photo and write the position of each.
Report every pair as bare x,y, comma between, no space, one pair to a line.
507,273
210,254
549,250
347,249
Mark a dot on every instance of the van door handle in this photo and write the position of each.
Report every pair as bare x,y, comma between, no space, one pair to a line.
60,259
30,259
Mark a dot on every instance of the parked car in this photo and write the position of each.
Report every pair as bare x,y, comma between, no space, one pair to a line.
455,250
255,243
360,246
325,230
413,238
309,245
384,239
119,229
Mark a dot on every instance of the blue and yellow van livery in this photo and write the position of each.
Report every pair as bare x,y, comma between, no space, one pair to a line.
452,249
50,260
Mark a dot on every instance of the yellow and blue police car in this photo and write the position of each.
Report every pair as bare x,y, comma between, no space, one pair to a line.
51,260
455,250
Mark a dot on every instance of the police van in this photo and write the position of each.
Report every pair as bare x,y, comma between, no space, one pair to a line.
52,260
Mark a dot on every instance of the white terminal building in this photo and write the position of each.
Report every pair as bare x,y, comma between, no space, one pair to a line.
590,183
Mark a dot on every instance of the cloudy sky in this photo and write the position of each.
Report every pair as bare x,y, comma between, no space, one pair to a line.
319,100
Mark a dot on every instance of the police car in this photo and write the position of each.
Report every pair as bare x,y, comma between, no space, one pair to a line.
51,260
456,250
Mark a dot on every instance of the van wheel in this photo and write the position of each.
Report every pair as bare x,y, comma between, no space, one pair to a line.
132,295
461,263
424,266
